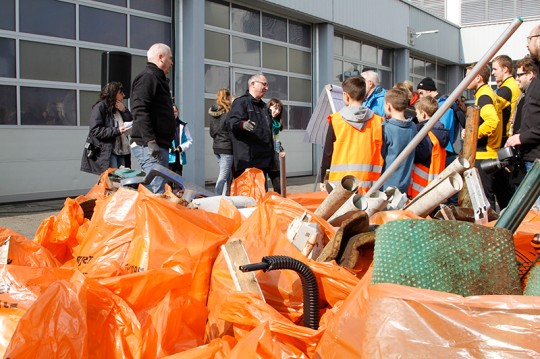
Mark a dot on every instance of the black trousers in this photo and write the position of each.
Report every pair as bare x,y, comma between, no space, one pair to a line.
497,186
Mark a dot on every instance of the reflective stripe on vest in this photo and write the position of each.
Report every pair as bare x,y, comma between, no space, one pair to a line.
421,175
357,152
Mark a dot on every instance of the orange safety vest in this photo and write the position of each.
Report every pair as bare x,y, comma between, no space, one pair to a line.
421,175
357,152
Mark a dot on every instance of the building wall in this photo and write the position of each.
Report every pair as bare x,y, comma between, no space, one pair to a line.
40,161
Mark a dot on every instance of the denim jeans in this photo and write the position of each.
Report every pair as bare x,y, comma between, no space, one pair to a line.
147,162
528,166
117,161
223,183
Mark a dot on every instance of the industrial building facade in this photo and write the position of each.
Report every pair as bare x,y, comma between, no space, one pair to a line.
50,72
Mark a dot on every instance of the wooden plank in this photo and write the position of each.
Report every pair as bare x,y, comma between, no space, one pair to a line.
469,149
235,255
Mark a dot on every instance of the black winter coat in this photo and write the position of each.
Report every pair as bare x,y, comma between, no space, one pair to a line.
529,131
256,148
219,132
102,135
152,108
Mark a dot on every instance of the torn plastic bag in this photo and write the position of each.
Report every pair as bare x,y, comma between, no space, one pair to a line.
76,318
104,247
162,228
264,234
390,320
251,183
59,233
20,286
24,252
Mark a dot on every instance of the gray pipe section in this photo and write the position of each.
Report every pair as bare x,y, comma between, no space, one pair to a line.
446,105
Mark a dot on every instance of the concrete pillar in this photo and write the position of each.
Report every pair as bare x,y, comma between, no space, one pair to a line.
401,65
455,76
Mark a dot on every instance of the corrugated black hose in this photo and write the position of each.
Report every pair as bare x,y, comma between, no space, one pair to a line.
309,283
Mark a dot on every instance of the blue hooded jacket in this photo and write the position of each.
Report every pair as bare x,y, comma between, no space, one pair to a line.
375,101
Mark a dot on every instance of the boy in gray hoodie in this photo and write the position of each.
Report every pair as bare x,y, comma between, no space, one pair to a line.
354,139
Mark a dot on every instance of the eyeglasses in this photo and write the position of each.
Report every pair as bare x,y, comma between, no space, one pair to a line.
529,38
519,74
265,84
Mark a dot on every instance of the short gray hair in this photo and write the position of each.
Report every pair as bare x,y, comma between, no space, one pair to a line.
255,77
157,49
371,75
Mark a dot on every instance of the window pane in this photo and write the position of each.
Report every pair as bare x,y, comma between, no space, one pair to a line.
241,84
245,20
41,61
207,118
47,17
351,48
369,53
285,117
246,52
90,66
146,32
160,7
430,70
216,46
418,67
114,2
274,57
48,107
138,63
300,62
300,90
385,57
299,117
277,87
215,77
274,27
338,45
385,78
88,99
350,69
441,72
338,71
7,57
7,15
102,26
216,13
8,105
299,34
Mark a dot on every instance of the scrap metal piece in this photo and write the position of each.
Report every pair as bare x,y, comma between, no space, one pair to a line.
479,201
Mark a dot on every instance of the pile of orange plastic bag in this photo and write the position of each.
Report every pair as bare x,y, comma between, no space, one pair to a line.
145,278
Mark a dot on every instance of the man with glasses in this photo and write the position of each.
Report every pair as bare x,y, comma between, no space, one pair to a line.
251,126
528,135
525,73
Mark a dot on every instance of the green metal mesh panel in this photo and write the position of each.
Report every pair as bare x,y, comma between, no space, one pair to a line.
449,256
533,282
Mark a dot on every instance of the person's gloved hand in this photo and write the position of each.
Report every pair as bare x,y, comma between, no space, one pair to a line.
248,125
154,150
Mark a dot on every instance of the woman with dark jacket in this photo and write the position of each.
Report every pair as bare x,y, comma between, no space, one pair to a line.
222,141
107,144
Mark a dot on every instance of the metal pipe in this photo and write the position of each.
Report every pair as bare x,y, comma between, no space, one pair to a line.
282,174
522,200
446,105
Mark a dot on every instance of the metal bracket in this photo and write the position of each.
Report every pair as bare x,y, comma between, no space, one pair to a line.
478,197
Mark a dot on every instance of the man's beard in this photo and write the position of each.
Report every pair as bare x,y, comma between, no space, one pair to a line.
534,57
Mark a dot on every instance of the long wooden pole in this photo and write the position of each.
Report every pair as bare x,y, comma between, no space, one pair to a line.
446,105
469,149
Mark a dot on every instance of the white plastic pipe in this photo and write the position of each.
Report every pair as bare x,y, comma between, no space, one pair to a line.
347,187
436,195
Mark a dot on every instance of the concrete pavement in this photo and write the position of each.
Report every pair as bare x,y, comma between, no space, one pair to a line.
25,217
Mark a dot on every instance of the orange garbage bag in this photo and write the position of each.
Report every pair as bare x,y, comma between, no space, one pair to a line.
170,320
104,247
264,234
309,200
217,349
20,286
388,216
162,228
59,233
251,183
101,189
76,318
227,209
25,252
390,320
